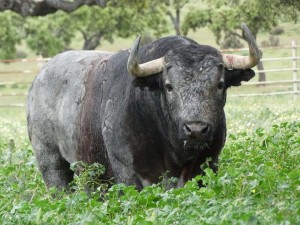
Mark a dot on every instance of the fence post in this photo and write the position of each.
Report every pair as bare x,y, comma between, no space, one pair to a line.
294,65
40,62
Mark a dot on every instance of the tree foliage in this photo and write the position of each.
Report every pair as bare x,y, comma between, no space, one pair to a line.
53,33
116,20
49,35
44,7
94,24
225,16
10,35
98,20
174,11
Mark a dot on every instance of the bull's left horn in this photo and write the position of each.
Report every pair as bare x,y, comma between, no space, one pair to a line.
145,69
244,62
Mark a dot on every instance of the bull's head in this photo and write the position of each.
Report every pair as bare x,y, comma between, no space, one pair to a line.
194,81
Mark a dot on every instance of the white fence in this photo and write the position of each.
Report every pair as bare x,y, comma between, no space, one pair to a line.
294,79
10,76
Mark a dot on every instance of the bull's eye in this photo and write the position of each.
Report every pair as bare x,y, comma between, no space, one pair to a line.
169,87
220,85
220,66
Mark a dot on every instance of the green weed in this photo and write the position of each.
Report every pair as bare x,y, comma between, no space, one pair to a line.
257,183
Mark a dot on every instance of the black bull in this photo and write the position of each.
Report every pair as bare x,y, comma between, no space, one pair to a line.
87,106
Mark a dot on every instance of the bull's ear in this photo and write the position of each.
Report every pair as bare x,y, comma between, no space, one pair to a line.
236,76
150,83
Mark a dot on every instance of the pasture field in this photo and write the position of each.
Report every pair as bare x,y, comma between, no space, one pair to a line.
258,180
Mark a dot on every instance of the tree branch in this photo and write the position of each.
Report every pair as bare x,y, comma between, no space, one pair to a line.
237,34
183,3
171,17
44,7
6,4
69,6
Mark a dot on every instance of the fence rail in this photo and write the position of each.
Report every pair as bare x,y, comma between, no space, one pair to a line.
25,60
292,83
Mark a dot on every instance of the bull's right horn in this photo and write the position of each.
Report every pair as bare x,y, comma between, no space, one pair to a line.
145,69
244,62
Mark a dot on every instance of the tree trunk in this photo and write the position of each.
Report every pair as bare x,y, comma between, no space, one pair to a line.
261,75
91,43
177,22
260,66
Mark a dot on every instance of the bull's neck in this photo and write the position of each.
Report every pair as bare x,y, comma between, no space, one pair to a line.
147,107
152,116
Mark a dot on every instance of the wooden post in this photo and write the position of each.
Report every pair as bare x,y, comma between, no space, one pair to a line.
294,66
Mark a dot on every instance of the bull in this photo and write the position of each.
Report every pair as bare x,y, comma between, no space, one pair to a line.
140,113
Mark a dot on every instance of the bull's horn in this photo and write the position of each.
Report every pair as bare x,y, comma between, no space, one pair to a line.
145,69
244,62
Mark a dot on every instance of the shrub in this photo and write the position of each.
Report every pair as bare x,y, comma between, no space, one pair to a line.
265,43
147,38
274,41
21,54
277,31
231,41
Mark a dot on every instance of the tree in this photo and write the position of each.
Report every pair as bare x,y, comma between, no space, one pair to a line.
10,35
292,3
173,8
94,24
224,17
175,5
97,24
51,34
44,7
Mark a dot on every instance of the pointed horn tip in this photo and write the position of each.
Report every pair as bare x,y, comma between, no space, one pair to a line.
136,42
145,69
255,53
132,63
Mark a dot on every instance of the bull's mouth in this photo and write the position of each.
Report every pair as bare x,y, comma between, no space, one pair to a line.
191,149
194,145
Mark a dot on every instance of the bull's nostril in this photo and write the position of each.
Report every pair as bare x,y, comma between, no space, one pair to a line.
205,130
187,130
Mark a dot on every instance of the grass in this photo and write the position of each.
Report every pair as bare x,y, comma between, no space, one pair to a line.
257,182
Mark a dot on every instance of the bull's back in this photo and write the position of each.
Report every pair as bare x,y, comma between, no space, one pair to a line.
56,97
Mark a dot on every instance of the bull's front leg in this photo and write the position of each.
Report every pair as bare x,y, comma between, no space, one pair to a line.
119,156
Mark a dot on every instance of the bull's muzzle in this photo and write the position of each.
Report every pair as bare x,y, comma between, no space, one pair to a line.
195,130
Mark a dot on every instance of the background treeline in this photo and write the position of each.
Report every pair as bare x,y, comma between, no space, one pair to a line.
49,27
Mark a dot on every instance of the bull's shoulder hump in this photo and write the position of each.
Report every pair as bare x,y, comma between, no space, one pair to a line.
72,64
81,56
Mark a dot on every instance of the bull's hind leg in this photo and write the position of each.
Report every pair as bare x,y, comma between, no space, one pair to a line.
54,168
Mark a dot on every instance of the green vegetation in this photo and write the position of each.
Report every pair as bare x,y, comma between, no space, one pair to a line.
258,179
89,26
257,182
51,34
10,23
224,16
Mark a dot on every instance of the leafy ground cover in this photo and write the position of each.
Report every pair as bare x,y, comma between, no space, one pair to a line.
257,183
